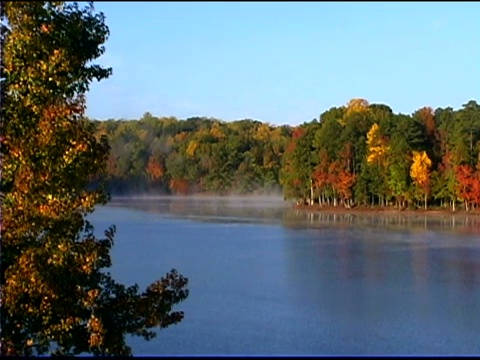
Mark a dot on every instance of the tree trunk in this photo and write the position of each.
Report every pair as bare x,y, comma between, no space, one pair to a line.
311,192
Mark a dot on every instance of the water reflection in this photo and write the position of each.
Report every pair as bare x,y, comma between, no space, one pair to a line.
253,210
465,223
316,283
410,285
419,264
275,210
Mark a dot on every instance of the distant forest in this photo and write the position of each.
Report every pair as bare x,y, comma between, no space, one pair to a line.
359,154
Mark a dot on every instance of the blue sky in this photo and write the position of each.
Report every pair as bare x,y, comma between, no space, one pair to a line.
284,62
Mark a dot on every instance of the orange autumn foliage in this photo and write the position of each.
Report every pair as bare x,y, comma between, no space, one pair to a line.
155,169
179,186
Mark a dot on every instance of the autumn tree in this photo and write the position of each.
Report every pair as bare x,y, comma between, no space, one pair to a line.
345,177
467,184
155,168
57,296
476,186
420,172
321,176
377,151
356,105
426,116
291,177
377,148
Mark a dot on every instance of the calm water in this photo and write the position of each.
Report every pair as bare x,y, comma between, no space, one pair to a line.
265,279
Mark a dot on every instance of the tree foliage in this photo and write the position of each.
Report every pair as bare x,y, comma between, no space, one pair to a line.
307,162
395,159
57,296
196,155
376,145
420,172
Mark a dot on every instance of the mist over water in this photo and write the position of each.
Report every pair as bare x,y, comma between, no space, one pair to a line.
232,200
274,209
267,279
211,208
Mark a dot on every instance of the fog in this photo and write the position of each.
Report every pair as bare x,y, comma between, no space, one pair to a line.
230,200
275,210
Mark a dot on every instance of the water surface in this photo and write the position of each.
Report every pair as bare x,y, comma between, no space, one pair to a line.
266,279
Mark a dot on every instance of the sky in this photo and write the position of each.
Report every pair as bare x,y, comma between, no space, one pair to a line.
284,62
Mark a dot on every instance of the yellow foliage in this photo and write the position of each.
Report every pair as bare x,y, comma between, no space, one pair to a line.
191,148
71,153
263,133
376,147
419,171
96,327
216,132
356,105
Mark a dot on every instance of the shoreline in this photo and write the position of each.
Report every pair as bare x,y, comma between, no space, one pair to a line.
384,211
313,209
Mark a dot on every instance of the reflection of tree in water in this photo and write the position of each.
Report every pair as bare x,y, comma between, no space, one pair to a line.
375,272
444,222
467,269
265,210
420,265
358,259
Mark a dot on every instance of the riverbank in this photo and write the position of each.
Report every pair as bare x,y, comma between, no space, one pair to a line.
385,211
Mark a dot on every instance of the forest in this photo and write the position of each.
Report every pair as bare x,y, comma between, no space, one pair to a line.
196,155
359,154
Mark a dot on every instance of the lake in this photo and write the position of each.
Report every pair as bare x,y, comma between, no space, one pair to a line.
266,279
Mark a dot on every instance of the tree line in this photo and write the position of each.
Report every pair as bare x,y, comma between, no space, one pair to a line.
363,154
359,154
196,155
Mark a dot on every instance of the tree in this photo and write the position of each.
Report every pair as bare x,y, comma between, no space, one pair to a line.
56,295
357,105
398,181
377,148
466,184
321,176
297,170
420,172
377,161
345,178
155,168
446,187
